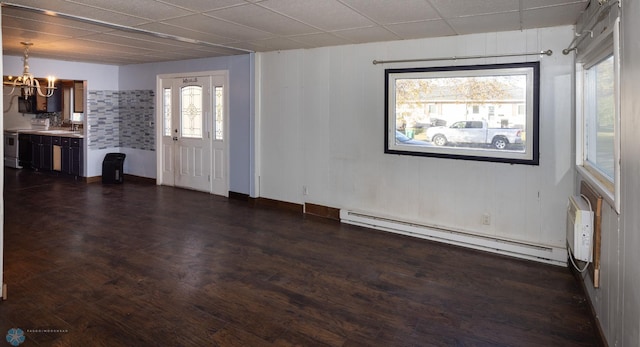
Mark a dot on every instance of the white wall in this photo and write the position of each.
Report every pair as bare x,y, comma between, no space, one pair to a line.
625,304
617,301
322,125
143,77
98,76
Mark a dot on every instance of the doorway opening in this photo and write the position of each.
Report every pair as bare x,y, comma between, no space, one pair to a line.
193,134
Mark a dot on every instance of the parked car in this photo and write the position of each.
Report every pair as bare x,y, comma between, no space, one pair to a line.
474,132
405,140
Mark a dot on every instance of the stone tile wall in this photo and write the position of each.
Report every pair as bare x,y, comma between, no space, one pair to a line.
121,119
137,119
103,119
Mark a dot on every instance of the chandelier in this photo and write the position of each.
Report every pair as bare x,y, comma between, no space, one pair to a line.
27,84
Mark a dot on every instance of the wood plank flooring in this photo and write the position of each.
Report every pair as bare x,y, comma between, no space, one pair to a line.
141,265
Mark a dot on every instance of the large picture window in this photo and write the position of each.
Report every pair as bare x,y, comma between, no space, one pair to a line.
479,112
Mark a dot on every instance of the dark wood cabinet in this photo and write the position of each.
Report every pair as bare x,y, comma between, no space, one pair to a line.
36,144
41,152
52,153
24,150
40,104
46,152
72,155
52,103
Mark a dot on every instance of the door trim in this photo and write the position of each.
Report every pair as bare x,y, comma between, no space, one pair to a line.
159,122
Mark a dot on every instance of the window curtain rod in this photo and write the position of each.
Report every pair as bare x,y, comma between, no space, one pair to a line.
547,52
600,14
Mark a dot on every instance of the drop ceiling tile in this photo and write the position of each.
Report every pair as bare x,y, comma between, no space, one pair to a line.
551,16
43,27
278,44
263,19
148,9
64,47
363,35
460,8
152,42
258,25
530,4
149,43
222,51
89,58
11,37
405,11
163,28
250,46
170,56
486,23
320,40
326,15
199,6
108,48
79,10
206,24
416,30
43,21
35,26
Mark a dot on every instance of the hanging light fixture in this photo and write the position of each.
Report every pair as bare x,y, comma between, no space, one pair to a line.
27,84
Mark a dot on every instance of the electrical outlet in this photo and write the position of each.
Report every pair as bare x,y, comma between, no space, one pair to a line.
486,219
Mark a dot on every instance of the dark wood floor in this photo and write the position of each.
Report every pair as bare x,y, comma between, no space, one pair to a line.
141,265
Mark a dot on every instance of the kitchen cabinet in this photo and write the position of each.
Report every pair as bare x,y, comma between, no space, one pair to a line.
51,153
71,155
40,104
50,104
78,96
41,152
24,150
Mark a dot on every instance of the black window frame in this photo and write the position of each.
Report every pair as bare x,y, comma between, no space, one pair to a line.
531,155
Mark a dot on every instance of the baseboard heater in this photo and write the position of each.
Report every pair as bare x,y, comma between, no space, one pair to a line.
518,249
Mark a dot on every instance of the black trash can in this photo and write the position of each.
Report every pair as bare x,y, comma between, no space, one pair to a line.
112,168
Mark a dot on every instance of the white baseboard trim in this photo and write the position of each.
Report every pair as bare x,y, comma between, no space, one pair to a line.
518,249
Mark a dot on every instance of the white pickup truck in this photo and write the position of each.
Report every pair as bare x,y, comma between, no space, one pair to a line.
474,132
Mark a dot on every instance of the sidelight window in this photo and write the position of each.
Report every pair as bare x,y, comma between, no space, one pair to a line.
166,111
219,106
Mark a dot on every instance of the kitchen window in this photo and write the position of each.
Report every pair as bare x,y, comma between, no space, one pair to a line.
598,114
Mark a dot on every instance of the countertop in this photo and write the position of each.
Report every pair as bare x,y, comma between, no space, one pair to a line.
63,132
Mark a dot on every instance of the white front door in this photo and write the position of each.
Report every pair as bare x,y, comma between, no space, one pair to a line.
193,136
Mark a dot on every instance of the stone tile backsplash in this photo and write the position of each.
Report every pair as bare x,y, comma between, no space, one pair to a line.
121,119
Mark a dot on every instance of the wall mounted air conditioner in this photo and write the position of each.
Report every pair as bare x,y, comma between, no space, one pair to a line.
579,228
